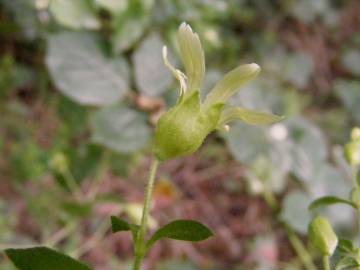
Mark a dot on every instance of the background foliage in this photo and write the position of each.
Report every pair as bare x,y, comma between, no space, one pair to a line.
82,84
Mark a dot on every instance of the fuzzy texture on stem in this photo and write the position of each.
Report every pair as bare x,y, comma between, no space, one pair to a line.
140,239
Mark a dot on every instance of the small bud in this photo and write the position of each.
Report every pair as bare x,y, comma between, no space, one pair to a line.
352,149
322,235
59,163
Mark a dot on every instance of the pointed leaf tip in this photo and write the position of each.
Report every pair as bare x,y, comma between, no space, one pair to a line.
184,230
43,258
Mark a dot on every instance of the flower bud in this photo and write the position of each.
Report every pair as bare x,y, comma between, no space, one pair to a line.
352,149
322,235
182,130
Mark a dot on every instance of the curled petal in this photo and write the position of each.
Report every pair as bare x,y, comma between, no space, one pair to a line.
231,82
178,74
248,116
192,56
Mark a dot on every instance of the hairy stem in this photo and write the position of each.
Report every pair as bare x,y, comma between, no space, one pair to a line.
140,239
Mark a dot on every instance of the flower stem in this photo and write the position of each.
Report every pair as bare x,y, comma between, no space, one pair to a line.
140,239
299,248
326,263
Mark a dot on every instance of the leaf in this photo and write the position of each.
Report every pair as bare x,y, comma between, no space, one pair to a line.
119,128
298,69
131,24
43,258
295,212
185,230
351,60
77,14
152,77
346,246
114,6
120,225
77,209
346,263
328,200
348,91
251,117
81,72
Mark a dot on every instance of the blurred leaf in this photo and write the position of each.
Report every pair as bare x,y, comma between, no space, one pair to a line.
295,211
308,147
77,14
130,24
298,69
77,209
152,77
185,230
328,200
114,6
81,71
246,142
307,10
346,246
346,263
351,60
349,93
42,258
177,265
120,128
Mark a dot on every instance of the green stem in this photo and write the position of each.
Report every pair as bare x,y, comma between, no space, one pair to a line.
300,249
140,240
326,262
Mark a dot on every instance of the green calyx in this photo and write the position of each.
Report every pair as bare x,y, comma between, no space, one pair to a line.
182,130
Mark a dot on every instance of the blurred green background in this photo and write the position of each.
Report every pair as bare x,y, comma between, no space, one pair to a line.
82,83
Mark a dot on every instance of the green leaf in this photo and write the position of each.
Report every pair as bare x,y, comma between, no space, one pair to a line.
346,263
120,225
349,94
130,25
77,209
351,60
185,230
152,77
231,82
77,14
81,72
43,258
346,246
192,56
328,200
298,69
114,6
119,128
295,212
251,117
